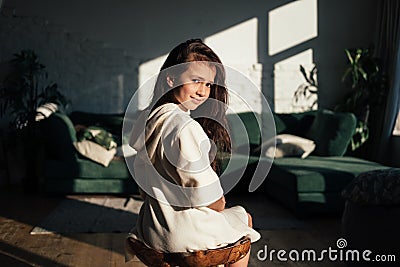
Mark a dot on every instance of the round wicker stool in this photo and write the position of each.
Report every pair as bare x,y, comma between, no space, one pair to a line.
203,258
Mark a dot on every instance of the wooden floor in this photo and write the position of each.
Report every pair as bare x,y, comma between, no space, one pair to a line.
20,212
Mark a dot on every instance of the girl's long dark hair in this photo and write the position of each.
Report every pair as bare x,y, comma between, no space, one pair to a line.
215,126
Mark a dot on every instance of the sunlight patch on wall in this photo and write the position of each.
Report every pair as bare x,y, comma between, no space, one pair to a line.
147,70
292,24
288,78
237,47
244,89
238,41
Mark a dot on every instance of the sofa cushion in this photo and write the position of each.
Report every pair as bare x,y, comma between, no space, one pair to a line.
305,203
318,174
332,132
86,169
314,184
56,185
293,123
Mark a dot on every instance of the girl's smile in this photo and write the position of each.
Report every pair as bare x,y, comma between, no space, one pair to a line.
194,85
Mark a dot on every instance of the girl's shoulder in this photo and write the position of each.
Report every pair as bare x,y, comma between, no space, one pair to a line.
178,122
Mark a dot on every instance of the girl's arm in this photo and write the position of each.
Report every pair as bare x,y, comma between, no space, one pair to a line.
218,205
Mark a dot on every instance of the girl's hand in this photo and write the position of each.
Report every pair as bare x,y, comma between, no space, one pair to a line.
218,205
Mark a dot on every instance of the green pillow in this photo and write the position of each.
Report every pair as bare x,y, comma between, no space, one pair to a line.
249,121
280,124
294,123
331,132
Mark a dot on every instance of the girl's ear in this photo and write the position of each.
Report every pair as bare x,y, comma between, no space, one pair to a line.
170,81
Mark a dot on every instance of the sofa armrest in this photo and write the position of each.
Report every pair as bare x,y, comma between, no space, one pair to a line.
58,134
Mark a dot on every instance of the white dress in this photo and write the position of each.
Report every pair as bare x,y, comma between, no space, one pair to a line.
174,150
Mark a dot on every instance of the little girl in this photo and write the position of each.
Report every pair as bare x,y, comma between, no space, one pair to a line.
184,206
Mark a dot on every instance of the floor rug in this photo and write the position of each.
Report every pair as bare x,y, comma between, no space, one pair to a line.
97,214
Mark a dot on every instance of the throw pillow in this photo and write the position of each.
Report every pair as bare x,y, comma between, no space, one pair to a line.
293,123
287,145
97,135
95,152
332,132
45,110
249,121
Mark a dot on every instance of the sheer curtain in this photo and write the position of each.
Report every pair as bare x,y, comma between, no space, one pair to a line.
388,49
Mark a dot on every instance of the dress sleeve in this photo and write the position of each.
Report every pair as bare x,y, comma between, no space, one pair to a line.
193,165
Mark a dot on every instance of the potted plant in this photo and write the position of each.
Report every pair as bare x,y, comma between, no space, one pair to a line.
367,83
23,90
306,93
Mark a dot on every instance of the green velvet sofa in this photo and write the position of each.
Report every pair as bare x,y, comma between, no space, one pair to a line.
310,185
65,171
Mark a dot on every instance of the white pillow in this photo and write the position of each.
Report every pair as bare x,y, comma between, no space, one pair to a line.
287,145
95,152
125,151
45,110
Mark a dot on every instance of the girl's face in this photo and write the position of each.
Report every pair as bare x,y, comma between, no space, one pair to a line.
196,83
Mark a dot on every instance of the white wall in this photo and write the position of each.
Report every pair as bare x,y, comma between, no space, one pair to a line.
95,49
